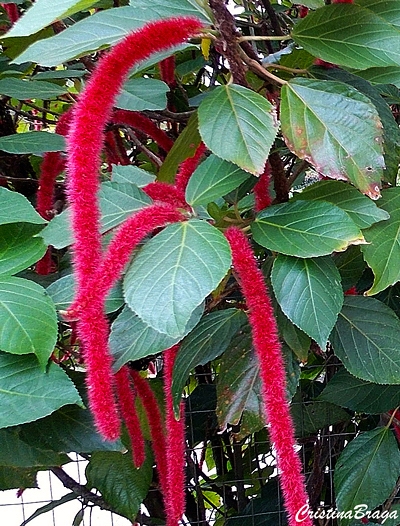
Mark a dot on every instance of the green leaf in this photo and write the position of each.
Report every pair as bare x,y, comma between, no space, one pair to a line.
208,340
60,74
391,132
15,208
174,272
351,266
239,392
383,250
366,339
213,178
351,35
311,417
28,321
69,429
367,470
238,125
184,147
30,89
122,485
362,210
117,202
297,340
385,75
103,29
143,94
14,478
62,293
313,4
355,394
44,12
309,293
18,249
132,175
342,144
305,229
131,339
50,506
14,452
26,393
36,142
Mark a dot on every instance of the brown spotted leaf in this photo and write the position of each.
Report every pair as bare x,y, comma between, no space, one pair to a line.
337,129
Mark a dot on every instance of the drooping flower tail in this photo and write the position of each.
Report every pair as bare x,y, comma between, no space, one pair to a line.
167,70
188,166
261,189
86,137
153,413
126,399
12,12
176,445
272,372
145,125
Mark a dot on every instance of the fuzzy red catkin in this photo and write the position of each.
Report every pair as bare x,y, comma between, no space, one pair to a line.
187,168
272,372
166,193
167,71
12,12
145,125
176,445
153,413
261,189
92,111
126,399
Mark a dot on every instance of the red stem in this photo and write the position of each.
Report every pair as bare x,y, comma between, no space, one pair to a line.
272,372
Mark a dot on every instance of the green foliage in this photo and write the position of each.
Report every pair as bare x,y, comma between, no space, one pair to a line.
330,142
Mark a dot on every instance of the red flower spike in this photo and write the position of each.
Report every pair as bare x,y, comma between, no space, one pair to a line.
12,12
176,446
261,189
166,193
145,125
127,405
167,71
150,405
303,11
272,372
92,111
187,168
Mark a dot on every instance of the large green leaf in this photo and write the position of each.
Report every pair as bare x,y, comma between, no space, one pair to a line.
103,29
362,210
351,266
132,175
131,339
15,452
383,250
36,142
309,293
117,202
305,229
366,339
62,293
391,132
367,470
355,394
311,417
387,75
121,484
70,429
143,94
27,393
14,478
206,342
337,129
356,36
44,12
18,247
28,320
30,89
15,208
174,272
238,125
213,178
